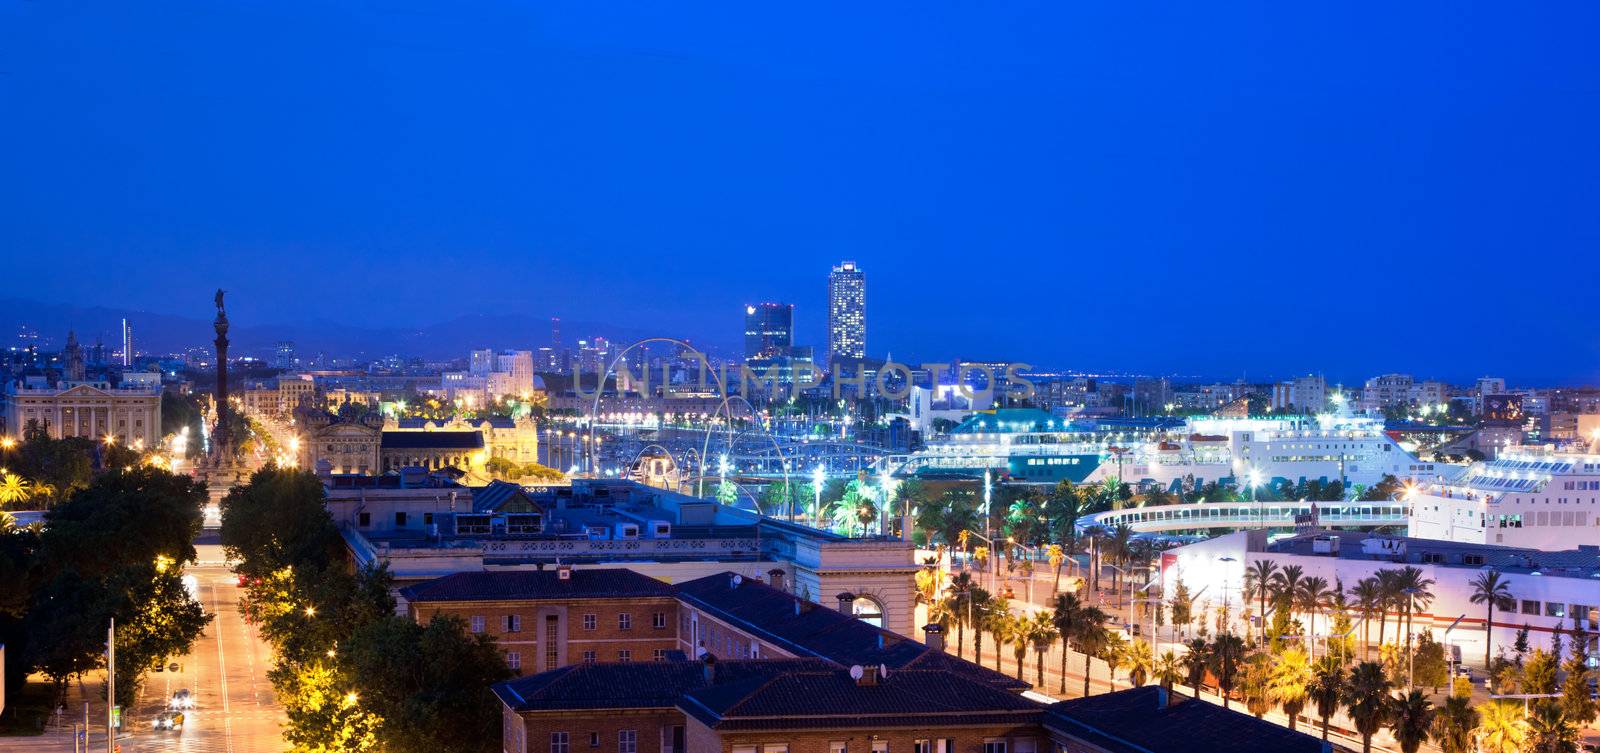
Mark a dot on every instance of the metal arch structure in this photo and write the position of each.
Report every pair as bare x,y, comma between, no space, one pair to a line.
679,464
1212,515
705,446
600,387
724,407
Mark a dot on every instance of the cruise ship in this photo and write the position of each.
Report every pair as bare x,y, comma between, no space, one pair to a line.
1031,446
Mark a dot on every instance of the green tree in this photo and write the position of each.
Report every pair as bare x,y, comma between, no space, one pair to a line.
1258,579
1041,634
1182,605
430,685
1575,701
1539,674
1454,725
1168,670
1227,657
1290,683
1255,684
1410,718
280,518
1428,665
1071,617
1089,638
1366,699
1140,661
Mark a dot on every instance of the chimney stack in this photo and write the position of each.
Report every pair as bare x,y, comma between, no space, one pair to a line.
933,636
775,577
846,603
709,666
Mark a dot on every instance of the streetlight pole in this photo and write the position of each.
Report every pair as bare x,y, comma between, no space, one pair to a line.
111,687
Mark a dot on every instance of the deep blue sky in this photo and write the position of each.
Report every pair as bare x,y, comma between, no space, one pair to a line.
1272,187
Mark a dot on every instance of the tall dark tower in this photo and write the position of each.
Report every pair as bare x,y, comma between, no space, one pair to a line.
219,438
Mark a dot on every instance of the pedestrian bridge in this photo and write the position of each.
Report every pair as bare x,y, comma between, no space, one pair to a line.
1210,515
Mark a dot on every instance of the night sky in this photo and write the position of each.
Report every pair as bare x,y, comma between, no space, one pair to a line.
1222,189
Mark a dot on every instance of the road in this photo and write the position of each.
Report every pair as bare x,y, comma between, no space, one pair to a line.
227,671
235,709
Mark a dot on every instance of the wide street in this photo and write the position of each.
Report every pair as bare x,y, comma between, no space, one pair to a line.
235,711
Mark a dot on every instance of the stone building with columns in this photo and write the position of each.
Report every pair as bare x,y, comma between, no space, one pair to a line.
129,414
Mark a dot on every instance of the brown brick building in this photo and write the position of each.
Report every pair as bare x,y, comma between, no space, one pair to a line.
545,620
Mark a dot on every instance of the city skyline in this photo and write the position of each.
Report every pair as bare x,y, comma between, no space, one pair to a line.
1307,183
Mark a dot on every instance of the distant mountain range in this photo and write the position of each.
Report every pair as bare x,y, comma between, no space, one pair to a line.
164,333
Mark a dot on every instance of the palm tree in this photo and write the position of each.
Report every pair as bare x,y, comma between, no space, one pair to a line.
1115,654
1550,731
1290,682
1195,663
1258,584
1042,634
1502,727
1094,535
962,589
1326,690
1140,660
1057,556
1388,595
1168,670
1415,593
1454,725
1368,598
1311,596
1227,654
1090,639
982,603
1255,684
1118,547
1493,590
1069,617
1410,718
1366,699
14,489
1014,629
995,618
1286,583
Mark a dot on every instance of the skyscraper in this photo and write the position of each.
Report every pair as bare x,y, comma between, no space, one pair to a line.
283,355
127,343
768,329
847,312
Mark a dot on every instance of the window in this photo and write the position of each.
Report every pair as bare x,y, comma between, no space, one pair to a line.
1555,609
514,660
868,610
744,749
658,620
427,518
559,743
624,621
659,654
552,658
624,655
594,739
994,746
1432,558
400,519
364,519
513,623
1472,559
588,657
628,741
590,622
477,623
775,748
880,746
672,739
838,746
1530,606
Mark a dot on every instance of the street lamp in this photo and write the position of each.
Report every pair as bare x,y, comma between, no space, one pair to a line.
1225,585
817,477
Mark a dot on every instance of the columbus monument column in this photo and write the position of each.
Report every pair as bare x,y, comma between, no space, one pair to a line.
219,436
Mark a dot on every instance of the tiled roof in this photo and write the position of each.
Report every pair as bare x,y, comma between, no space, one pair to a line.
496,494
1136,721
902,698
537,584
814,630
430,440
632,685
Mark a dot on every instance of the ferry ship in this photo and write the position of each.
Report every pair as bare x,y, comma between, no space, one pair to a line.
1032,446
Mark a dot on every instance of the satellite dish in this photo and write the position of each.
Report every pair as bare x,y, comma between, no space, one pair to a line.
856,671
883,670
737,579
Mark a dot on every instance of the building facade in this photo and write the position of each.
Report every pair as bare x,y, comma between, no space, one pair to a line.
128,414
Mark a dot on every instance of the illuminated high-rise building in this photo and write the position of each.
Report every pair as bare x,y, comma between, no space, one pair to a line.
127,343
768,329
847,312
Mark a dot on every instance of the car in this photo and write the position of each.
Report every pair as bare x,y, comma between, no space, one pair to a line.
173,667
182,699
172,720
